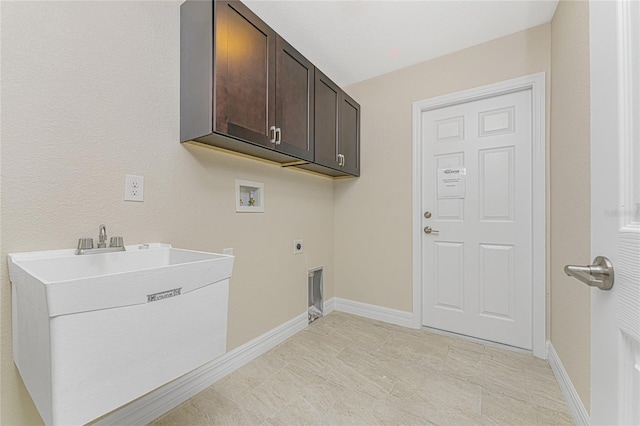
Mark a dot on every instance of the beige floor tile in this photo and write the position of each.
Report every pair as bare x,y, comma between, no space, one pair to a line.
546,416
432,411
527,362
413,403
504,410
322,394
183,414
249,377
449,392
220,410
365,337
376,367
429,353
354,408
465,345
298,412
387,413
276,393
466,355
544,391
489,374
341,374
349,370
236,385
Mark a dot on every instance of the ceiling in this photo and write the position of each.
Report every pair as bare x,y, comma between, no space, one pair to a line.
351,41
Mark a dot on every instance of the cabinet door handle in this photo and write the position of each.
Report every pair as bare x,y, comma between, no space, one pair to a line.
272,134
278,137
340,160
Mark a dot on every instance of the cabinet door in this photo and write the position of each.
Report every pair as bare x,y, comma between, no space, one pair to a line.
244,74
349,135
327,103
294,101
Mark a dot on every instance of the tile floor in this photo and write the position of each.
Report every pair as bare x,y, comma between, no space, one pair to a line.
348,370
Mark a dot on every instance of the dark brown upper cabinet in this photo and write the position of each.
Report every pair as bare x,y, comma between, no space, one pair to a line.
264,87
326,121
294,102
244,74
245,89
349,135
337,128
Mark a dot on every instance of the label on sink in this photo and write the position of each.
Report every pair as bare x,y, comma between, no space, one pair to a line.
163,295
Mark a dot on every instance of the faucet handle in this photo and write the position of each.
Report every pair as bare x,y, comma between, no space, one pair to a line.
116,242
84,244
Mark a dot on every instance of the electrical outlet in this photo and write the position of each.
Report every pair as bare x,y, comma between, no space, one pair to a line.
298,246
133,188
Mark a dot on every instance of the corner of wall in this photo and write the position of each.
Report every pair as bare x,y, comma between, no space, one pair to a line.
570,191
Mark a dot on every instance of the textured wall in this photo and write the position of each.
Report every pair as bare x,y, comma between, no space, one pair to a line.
570,191
373,240
90,92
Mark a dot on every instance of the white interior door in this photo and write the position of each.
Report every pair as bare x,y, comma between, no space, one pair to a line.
615,210
476,198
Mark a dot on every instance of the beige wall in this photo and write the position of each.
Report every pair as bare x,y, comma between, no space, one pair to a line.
373,240
90,92
570,190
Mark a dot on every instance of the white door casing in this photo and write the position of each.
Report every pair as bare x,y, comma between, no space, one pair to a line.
615,209
477,267
531,89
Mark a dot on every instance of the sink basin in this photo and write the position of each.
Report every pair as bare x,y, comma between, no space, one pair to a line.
94,332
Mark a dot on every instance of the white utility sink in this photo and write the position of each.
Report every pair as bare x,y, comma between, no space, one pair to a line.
94,332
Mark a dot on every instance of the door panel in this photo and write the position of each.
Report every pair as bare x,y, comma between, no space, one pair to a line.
449,209
450,129
615,210
496,183
245,73
326,122
496,122
449,274
294,101
496,281
349,142
484,290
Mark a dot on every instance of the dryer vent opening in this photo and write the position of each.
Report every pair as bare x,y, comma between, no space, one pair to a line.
315,294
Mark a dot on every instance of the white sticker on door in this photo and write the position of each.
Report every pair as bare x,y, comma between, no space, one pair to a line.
452,182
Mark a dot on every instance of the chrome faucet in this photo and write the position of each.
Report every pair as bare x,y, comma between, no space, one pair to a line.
102,236
85,245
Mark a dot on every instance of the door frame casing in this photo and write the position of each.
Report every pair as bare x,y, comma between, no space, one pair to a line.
536,83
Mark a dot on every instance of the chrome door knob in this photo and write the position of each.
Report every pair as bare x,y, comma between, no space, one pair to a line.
429,230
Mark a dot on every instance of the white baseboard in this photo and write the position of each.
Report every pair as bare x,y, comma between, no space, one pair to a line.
576,407
164,399
379,313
